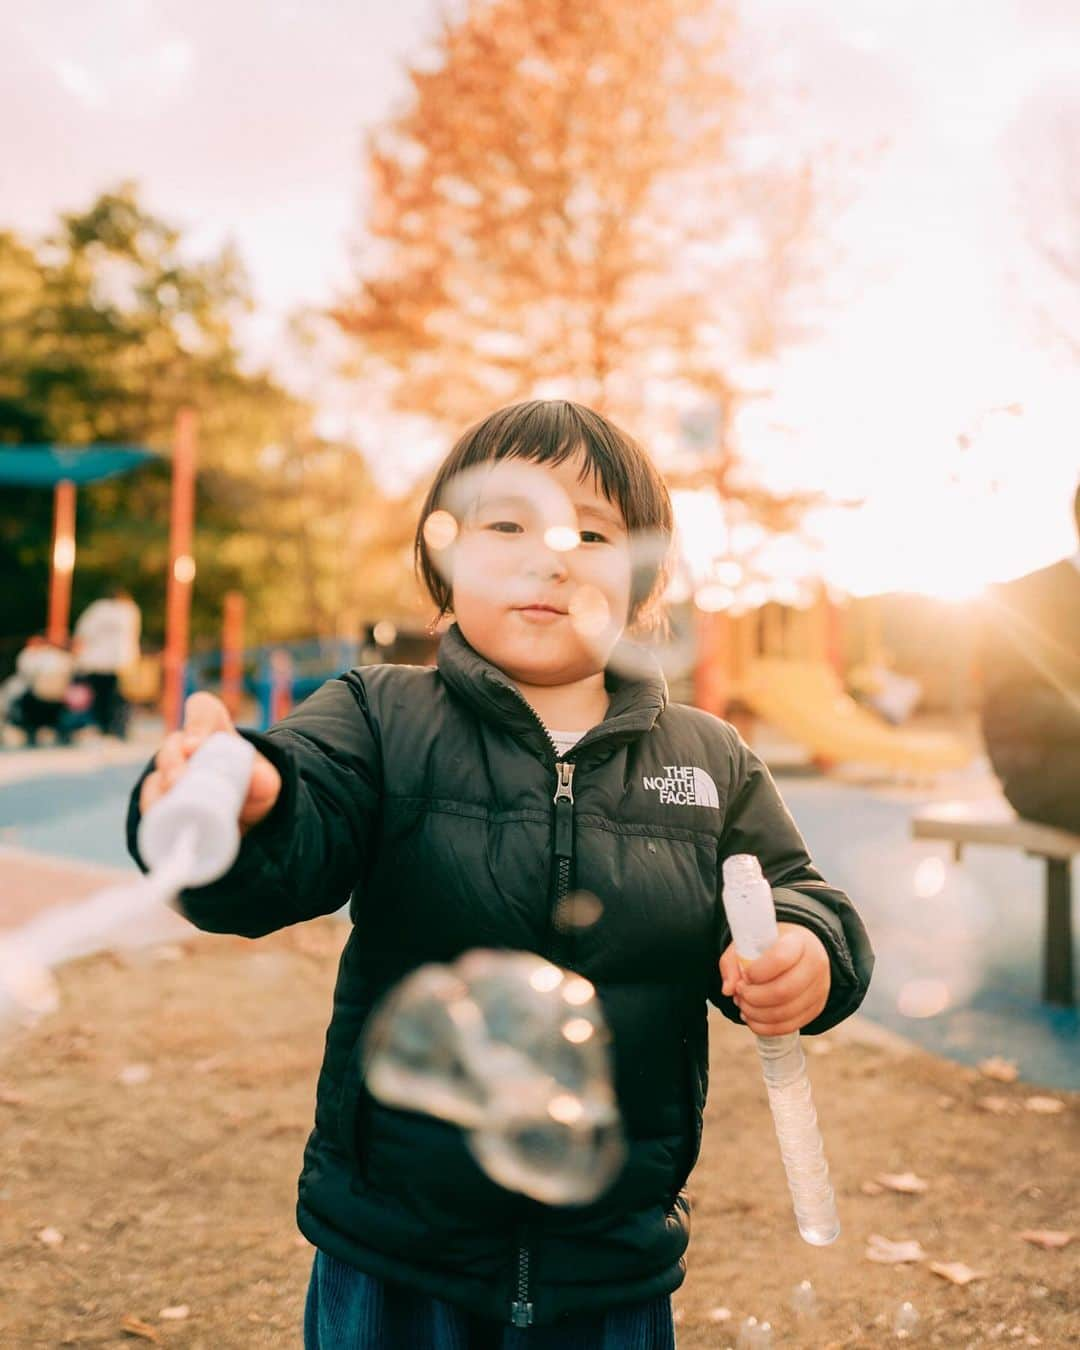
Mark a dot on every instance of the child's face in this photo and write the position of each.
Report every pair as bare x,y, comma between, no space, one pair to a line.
541,571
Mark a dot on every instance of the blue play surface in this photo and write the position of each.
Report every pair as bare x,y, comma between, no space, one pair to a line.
970,933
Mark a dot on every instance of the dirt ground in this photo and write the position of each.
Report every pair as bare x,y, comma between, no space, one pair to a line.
151,1133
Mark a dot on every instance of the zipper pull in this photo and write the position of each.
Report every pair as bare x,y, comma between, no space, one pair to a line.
564,810
521,1314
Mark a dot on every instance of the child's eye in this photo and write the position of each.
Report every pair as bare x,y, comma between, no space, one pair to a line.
593,537
505,526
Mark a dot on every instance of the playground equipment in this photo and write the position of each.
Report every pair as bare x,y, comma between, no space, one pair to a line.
786,666
806,701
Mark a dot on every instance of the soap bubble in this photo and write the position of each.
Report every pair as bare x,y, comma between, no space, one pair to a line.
754,1335
516,1052
577,912
804,1300
923,998
930,877
905,1322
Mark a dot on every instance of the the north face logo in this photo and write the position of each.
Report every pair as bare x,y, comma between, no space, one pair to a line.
683,786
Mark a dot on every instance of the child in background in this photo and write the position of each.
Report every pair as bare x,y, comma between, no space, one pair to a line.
430,796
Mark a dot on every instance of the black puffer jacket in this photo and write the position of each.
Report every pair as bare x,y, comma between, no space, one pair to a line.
429,796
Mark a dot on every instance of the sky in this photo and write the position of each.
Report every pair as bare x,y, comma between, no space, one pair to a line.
244,121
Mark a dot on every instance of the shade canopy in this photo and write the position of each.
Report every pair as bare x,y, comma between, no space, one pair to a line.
47,465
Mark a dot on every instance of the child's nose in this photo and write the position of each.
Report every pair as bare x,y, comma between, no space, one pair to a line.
547,563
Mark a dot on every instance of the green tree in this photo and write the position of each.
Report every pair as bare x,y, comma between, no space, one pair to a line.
106,330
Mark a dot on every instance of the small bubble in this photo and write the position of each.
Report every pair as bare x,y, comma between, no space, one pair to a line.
930,876
589,611
578,911
905,1322
561,538
565,1108
577,992
804,1300
545,979
923,998
440,530
578,1030
748,1334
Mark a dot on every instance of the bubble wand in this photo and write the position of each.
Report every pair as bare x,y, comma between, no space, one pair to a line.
189,837
748,903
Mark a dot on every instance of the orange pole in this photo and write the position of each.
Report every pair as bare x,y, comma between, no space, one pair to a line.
181,568
819,626
281,684
61,560
232,651
837,640
713,669
772,630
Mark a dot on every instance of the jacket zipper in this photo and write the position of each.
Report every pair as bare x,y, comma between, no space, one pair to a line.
521,1309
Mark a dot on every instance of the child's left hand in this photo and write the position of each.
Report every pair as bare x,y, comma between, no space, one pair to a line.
786,987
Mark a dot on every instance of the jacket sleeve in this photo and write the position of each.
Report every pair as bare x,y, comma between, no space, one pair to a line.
758,822
306,856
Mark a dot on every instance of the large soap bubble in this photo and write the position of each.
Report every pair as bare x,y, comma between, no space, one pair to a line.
516,1052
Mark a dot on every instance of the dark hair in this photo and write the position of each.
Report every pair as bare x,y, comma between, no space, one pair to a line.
551,431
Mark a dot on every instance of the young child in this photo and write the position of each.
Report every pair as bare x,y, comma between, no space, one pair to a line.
458,806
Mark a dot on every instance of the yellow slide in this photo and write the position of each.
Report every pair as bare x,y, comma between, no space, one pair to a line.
806,701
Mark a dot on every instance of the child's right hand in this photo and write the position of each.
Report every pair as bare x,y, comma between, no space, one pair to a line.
203,716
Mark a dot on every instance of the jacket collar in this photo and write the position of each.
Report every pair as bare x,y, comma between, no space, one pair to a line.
634,705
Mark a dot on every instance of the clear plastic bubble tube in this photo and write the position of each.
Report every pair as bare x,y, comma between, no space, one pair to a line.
751,915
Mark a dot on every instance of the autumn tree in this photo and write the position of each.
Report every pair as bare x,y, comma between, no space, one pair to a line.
572,204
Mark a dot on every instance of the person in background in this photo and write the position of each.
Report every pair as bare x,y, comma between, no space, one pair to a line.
1031,703
107,642
45,669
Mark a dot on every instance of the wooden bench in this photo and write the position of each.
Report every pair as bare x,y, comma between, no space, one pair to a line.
994,822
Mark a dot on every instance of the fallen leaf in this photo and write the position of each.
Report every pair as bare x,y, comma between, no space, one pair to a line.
678,1316
905,1183
816,1046
889,1253
133,1075
999,1106
872,1188
1001,1070
956,1272
719,1314
135,1326
177,1313
51,1237
945,1102
1047,1237
9,1097
1042,1106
